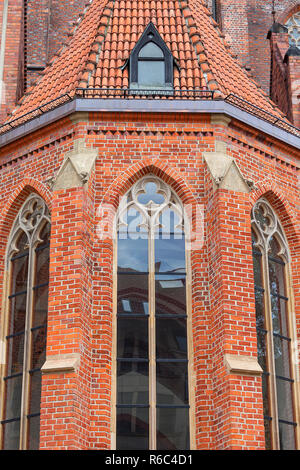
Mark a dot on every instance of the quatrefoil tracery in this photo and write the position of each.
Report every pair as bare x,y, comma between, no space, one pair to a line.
266,226
152,201
32,217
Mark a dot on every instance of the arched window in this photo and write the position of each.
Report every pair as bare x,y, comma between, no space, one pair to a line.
293,25
152,357
151,64
274,327
25,325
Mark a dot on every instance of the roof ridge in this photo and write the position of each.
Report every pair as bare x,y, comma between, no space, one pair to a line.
199,48
96,47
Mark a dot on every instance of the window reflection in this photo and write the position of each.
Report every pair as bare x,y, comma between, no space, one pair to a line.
151,290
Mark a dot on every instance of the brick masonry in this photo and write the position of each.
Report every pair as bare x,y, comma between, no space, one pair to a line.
76,411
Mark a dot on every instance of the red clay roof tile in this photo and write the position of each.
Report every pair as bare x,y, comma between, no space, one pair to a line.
108,31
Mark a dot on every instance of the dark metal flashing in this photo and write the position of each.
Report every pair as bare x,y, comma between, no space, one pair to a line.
292,51
149,106
278,29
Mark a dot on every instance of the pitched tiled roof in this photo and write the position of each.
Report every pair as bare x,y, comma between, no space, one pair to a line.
106,33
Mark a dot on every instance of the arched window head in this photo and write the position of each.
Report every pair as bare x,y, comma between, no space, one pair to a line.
274,325
151,64
25,325
293,25
152,357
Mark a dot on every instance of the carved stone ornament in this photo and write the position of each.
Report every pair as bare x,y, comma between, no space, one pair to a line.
151,201
32,217
266,225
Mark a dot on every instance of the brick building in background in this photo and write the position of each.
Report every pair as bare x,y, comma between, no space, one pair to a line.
149,224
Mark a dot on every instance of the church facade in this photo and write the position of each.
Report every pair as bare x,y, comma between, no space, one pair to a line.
149,226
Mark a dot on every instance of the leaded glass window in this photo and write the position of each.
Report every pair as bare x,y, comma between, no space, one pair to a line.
152,406
293,25
274,330
24,332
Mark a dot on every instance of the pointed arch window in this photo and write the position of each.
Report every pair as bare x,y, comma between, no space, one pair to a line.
293,25
274,327
25,325
153,395
151,64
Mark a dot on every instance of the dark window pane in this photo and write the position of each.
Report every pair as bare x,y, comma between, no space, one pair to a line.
173,429
279,317
171,338
132,293
170,294
284,400
38,348
257,270
19,275
268,435
133,337
35,392
151,50
172,383
262,350
170,254
274,248
40,306
45,234
276,274
265,390
260,309
11,439
287,436
133,429
282,357
15,355
42,266
34,433
133,383
13,394
132,254
151,73
17,314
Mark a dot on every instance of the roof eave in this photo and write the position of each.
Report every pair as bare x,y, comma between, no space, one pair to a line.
148,106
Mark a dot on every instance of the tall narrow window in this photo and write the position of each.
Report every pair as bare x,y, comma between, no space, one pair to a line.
152,348
274,335
25,329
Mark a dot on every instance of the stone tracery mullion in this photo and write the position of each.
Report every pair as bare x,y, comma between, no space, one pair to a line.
265,234
30,228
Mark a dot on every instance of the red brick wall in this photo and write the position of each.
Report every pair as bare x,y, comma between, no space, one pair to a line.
76,411
293,66
34,41
12,74
247,23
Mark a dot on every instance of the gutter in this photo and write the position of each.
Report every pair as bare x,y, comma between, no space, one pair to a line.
148,106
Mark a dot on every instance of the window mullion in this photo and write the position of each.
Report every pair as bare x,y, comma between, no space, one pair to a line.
270,355
27,351
152,342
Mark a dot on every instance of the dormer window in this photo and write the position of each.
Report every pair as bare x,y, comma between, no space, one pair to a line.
151,64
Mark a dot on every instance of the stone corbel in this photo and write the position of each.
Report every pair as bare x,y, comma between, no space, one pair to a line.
76,168
245,365
225,171
62,363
